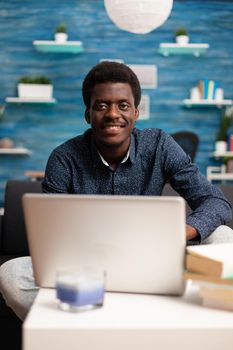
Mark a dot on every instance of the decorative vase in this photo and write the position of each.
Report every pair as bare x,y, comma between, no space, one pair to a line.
219,94
195,94
220,146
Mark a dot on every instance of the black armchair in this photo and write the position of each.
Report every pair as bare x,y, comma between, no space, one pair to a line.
189,141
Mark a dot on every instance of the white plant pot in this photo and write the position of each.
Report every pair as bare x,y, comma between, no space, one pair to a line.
220,146
182,39
61,37
35,90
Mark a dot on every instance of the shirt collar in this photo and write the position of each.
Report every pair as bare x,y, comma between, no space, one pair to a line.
97,157
123,160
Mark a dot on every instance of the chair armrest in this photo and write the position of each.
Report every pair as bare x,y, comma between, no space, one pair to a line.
1,227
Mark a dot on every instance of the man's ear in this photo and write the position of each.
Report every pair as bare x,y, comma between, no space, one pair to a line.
87,116
136,114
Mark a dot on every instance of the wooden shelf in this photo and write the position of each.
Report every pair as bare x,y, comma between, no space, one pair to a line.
15,151
206,103
221,177
34,175
218,155
54,46
167,49
218,173
31,100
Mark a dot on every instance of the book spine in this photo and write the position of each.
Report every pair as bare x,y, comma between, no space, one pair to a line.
200,278
215,88
206,85
215,297
230,143
201,88
217,304
215,292
210,90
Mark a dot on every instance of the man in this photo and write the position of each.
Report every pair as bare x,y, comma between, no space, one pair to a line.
113,157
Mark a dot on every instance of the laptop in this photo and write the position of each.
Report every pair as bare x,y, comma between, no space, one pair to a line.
138,240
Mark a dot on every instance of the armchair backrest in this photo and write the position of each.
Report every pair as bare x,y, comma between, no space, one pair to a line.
14,239
188,140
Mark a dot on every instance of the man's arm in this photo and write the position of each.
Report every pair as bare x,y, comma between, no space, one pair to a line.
210,208
57,176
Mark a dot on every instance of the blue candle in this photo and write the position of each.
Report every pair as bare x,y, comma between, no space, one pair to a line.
80,291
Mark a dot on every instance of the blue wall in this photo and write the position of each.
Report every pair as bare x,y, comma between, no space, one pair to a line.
41,128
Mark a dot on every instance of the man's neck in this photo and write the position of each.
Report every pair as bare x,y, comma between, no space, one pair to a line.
113,157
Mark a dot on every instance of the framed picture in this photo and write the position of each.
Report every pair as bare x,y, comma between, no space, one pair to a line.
144,108
147,75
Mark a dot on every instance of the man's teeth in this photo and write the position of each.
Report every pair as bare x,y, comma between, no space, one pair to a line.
113,127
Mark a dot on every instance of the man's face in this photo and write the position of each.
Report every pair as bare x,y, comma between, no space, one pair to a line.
112,114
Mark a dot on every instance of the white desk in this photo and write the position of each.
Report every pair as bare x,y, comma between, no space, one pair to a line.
128,322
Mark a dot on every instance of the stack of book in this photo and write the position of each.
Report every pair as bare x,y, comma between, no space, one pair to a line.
207,89
211,267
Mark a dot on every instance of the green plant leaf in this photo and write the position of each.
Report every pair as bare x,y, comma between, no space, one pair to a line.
61,28
40,79
181,31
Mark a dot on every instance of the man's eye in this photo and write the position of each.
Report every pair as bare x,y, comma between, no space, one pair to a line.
101,106
124,106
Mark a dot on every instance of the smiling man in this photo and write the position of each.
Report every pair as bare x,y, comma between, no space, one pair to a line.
113,157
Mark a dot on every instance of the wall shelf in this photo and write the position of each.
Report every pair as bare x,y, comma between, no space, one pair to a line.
207,103
35,175
31,100
54,46
15,151
219,155
167,49
218,173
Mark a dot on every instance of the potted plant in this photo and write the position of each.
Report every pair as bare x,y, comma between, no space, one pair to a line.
61,33
39,87
182,36
2,109
222,135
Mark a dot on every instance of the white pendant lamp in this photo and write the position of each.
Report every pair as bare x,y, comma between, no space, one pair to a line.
138,16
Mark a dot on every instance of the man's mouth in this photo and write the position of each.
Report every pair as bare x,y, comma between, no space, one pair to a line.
113,127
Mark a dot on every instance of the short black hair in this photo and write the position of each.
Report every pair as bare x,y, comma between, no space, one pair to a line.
109,71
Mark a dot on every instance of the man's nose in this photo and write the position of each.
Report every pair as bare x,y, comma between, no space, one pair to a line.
113,111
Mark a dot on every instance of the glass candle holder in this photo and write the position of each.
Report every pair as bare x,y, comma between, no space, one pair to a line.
79,289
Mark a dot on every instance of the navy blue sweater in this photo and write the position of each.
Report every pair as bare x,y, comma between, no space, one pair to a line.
154,159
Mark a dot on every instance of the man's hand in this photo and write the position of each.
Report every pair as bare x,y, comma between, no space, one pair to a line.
191,232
